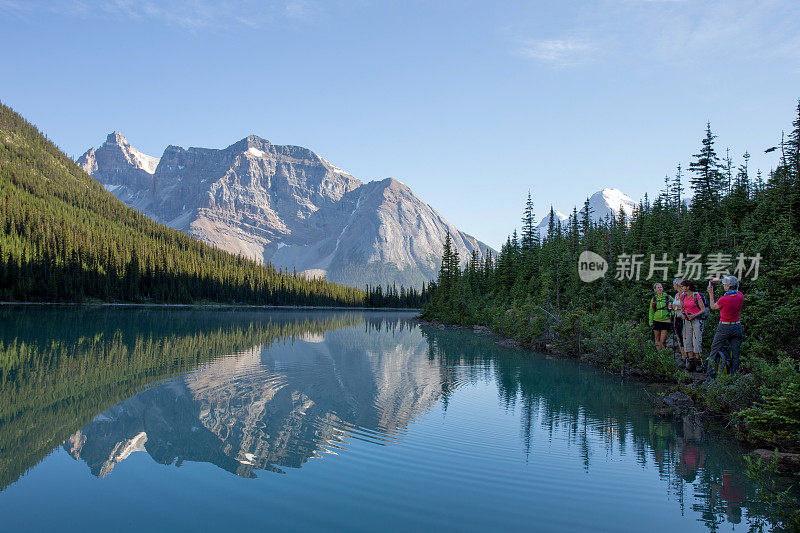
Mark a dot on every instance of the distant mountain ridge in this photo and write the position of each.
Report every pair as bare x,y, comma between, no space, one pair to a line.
285,205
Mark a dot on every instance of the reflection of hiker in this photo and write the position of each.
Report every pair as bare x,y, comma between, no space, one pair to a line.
659,315
661,434
690,462
729,330
733,494
694,313
677,316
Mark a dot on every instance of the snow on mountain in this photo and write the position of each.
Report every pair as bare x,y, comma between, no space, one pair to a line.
609,202
148,163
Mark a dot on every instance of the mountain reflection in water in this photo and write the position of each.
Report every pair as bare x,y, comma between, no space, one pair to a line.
252,391
272,406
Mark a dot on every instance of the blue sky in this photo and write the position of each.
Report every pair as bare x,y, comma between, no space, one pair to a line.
469,103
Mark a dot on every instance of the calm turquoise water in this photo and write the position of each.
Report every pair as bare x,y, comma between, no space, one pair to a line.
133,420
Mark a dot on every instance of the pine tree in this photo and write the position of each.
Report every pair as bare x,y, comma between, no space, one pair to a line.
445,271
586,222
677,189
727,173
706,180
793,146
551,223
528,227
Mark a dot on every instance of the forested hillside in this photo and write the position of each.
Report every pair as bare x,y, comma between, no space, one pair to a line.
63,237
716,209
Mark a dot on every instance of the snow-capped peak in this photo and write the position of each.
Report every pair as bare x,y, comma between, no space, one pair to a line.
608,203
255,152
617,200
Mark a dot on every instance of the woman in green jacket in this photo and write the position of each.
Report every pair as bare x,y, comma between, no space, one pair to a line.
660,318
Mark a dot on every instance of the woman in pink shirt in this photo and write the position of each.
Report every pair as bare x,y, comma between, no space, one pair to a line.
729,330
693,308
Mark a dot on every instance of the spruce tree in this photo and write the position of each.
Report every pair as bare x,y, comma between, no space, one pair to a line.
706,180
445,274
528,227
677,188
792,148
586,222
551,223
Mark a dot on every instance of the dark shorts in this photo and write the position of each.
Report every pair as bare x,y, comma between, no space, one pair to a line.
661,326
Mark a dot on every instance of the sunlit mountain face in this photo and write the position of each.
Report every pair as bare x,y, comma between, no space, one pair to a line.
285,205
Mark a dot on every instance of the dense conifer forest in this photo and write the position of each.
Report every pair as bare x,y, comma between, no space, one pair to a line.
63,237
717,210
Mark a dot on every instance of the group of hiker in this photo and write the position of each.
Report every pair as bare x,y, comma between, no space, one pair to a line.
685,315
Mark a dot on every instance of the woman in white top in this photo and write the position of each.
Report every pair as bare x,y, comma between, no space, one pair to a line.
677,318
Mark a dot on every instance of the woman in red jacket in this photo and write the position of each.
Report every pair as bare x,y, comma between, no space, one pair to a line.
729,330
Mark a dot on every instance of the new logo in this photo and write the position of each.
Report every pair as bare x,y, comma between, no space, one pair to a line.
591,266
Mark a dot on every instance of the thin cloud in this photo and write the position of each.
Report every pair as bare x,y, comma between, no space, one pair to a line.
674,31
192,15
11,7
298,9
558,52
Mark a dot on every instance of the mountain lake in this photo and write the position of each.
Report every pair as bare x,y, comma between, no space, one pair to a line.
136,419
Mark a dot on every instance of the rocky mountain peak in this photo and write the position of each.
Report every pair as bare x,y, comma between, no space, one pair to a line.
117,138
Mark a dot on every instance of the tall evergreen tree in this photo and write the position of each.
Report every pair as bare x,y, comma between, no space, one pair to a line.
677,188
528,227
586,222
793,146
706,182
551,223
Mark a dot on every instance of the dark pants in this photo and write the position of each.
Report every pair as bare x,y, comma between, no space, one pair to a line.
677,324
719,356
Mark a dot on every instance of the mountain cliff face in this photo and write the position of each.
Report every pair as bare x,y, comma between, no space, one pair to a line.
285,205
